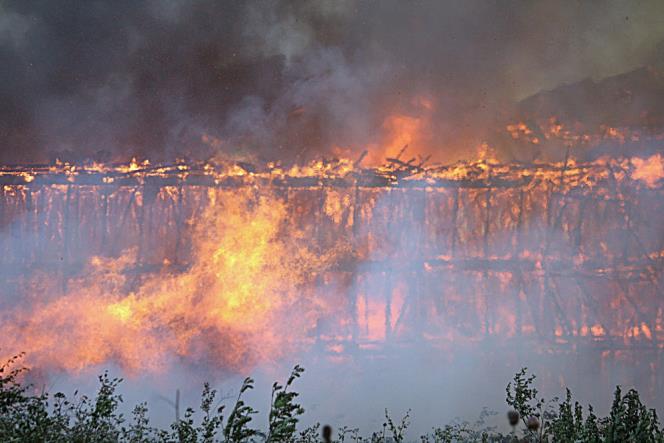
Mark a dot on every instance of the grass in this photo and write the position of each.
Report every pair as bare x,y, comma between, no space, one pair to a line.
45,417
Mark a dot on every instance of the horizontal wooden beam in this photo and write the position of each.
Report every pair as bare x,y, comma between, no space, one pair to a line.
399,175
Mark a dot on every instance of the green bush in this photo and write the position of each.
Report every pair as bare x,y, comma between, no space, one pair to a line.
29,417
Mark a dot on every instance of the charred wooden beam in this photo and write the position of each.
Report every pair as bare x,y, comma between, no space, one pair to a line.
397,173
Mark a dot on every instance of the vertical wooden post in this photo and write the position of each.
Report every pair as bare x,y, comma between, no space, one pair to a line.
420,273
389,269
179,222
388,303
485,250
487,222
28,233
579,224
455,214
141,227
105,193
45,198
355,278
66,236
516,274
117,245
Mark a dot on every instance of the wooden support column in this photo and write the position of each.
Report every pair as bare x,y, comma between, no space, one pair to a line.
592,304
117,243
355,278
45,219
485,251
578,227
179,223
145,216
141,227
421,276
105,195
455,215
389,274
516,274
66,239
28,229
319,228
551,292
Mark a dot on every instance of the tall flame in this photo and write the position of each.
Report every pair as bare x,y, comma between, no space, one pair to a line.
268,242
240,303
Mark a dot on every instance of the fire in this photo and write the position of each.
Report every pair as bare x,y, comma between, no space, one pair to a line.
401,130
134,165
650,170
575,135
241,301
233,264
521,131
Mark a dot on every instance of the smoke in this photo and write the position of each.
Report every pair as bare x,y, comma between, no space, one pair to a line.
288,79
107,315
438,380
294,80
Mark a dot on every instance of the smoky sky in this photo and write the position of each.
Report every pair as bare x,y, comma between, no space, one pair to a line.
168,79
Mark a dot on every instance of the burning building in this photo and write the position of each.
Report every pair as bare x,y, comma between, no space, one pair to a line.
313,182
564,253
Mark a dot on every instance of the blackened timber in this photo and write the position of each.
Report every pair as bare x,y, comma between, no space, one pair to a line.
485,248
364,179
179,221
455,215
104,217
354,291
28,241
66,240
123,220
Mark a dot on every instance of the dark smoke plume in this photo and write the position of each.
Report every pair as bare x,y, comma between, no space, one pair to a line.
109,80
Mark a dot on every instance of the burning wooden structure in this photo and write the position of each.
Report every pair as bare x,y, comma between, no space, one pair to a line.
565,253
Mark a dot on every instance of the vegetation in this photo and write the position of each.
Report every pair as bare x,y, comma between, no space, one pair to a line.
29,417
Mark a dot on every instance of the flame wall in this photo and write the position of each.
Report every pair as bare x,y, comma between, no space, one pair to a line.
565,254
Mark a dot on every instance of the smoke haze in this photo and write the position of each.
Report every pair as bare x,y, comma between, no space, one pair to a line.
290,79
293,81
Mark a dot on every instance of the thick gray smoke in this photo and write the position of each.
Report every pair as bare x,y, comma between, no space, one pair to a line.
162,79
288,79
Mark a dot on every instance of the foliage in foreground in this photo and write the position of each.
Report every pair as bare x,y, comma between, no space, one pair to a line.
29,417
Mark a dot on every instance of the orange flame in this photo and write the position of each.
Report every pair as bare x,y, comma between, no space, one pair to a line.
249,294
240,303
650,170
401,129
